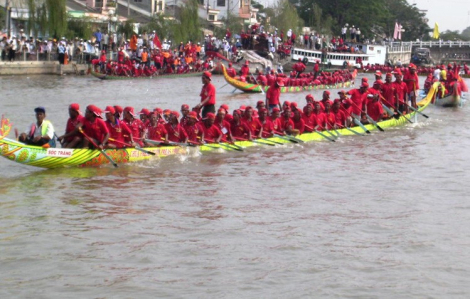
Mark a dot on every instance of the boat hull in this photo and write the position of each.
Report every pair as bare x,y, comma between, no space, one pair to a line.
110,77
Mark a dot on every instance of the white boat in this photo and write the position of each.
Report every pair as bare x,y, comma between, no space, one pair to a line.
368,53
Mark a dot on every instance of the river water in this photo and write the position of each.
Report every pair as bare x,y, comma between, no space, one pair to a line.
380,216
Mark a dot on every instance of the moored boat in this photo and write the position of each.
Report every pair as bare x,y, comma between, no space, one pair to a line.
58,157
453,99
256,88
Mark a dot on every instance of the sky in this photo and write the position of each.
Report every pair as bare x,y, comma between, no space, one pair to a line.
449,14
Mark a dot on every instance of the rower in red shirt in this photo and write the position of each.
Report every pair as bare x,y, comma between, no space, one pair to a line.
212,133
245,69
325,98
401,90
266,123
117,129
239,128
144,116
135,125
184,113
72,138
119,111
194,129
275,119
299,123
388,92
286,123
412,83
330,119
273,94
207,95
94,127
319,116
231,71
374,106
176,133
223,125
340,116
155,130
253,123
358,99
309,118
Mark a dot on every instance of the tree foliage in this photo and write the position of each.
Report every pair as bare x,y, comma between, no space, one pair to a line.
188,28
284,16
79,27
47,17
373,17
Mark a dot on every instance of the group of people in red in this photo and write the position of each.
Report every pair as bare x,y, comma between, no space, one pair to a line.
420,69
297,77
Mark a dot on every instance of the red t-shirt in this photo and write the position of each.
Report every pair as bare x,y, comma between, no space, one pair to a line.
176,133
273,94
340,117
224,127
358,99
71,126
285,124
319,120
194,132
96,130
268,128
374,109
157,132
388,92
211,133
239,130
330,119
309,122
137,127
401,89
299,125
411,85
254,124
208,90
116,131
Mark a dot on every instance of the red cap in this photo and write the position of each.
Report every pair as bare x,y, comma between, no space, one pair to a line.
286,103
207,74
347,101
95,110
166,111
342,91
185,107
118,109
109,109
280,82
242,107
364,79
260,102
327,92
158,110
378,73
309,96
248,108
388,75
412,66
398,73
130,110
210,115
329,102
293,105
365,84
247,62
221,110
175,113
261,110
276,109
192,114
144,111
337,101
225,107
75,107
229,64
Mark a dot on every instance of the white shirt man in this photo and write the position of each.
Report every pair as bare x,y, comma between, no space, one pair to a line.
437,74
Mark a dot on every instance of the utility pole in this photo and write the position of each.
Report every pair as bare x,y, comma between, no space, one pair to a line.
128,8
8,17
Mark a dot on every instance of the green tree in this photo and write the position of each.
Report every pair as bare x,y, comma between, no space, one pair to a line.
466,34
188,27
284,17
57,17
79,27
162,26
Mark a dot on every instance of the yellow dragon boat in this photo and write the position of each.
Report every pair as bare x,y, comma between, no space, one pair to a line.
256,88
60,157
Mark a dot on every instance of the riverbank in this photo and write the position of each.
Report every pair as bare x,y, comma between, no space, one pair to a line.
41,67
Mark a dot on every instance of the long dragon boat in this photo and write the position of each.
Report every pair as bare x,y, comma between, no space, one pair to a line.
452,99
157,76
256,88
60,157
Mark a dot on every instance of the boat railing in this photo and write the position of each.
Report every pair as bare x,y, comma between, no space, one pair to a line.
424,44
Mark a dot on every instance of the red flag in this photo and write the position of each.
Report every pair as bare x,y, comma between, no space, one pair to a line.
156,41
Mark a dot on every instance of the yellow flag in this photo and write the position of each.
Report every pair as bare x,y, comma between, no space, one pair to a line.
436,31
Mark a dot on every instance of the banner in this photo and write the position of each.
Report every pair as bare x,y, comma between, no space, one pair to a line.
156,41
435,34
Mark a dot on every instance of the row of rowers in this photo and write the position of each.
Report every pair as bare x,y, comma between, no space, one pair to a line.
124,127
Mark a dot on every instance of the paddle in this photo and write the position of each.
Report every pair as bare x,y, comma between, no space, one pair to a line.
398,111
357,122
97,147
288,137
323,135
256,141
130,145
230,146
349,129
369,118
260,86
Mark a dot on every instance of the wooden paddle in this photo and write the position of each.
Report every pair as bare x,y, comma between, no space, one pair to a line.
357,122
97,147
130,145
323,135
369,118
398,111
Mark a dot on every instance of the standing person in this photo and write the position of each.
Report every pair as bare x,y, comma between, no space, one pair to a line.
207,95
61,49
39,133
412,83
273,94
98,37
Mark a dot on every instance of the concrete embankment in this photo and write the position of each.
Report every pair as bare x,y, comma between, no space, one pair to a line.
40,67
